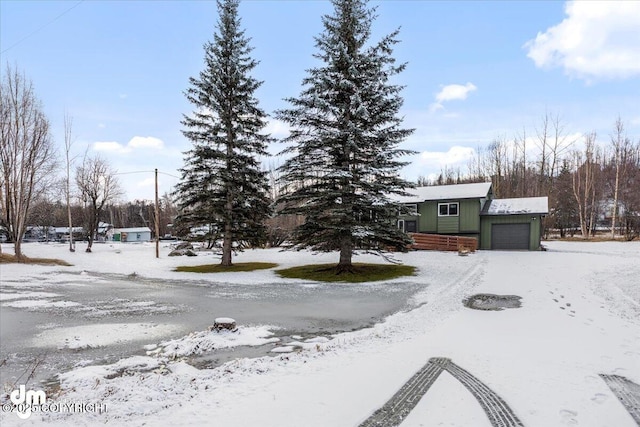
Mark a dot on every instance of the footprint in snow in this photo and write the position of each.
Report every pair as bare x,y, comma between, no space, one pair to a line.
568,417
599,398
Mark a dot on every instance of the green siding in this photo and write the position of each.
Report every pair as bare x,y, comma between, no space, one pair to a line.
535,232
468,220
428,217
469,216
448,224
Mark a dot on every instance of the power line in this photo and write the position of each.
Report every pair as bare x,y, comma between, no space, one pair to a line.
40,28
149,171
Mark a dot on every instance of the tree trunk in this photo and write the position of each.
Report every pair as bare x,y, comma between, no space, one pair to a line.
226,246
617,146
615,201
17,246
93,229
227,241
67,146
71,249
592,214
346,253
577,192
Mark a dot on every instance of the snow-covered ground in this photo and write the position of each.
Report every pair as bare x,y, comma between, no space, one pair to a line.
580,317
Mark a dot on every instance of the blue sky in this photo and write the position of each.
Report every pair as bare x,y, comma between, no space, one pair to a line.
476,71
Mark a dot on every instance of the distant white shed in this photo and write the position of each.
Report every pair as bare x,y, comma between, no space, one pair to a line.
136,234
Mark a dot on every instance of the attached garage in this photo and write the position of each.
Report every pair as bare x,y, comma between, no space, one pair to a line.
510,236
513,224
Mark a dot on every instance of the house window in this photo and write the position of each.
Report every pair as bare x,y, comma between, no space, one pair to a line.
448,209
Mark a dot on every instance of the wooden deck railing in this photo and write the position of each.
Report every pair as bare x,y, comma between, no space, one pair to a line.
439,242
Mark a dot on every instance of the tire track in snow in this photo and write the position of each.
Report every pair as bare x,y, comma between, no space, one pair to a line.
499,413
627,392
398,407
392,413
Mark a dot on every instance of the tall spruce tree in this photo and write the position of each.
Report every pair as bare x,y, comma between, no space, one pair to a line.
345,130
222,184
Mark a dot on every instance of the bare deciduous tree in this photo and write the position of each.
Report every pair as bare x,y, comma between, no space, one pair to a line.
98,185
620,146
497,162
68,123
26,153
586,185
629,196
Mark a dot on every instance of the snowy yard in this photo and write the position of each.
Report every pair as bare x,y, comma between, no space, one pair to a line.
580,317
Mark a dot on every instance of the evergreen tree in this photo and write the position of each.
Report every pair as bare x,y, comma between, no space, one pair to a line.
223,186
345,132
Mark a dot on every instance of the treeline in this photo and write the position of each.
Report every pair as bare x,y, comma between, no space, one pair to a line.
138,213
592,181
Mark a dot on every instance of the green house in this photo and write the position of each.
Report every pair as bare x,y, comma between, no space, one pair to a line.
470,210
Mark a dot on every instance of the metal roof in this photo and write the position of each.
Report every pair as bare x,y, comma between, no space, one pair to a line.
445,192
133,230
522,205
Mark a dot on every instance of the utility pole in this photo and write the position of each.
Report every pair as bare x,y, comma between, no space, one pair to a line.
157,219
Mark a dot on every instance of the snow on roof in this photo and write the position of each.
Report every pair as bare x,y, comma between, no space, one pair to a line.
445,192
134,230
522,205
66,229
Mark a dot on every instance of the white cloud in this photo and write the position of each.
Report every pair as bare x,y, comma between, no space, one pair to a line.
137,142
435,107
431,163
277,128
145,142
455,156
597,39
452,92
110,147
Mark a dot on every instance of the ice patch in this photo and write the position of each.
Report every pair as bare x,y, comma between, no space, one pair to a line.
40,304
8,296
100,335
283,349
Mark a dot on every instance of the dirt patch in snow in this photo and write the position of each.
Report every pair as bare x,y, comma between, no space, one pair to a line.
492,302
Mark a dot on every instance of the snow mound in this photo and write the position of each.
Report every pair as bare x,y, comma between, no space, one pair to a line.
206,341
